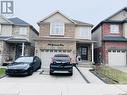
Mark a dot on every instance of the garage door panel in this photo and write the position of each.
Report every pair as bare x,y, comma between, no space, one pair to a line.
117,58
46,57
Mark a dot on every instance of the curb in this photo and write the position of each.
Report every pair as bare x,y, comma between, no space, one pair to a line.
82,75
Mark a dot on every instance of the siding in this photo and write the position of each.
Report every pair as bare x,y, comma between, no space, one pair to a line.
6,30
97,36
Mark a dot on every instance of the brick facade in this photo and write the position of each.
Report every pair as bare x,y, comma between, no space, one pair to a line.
108,45
69,30
106,29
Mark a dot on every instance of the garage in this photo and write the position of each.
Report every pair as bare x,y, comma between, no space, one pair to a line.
117,58
47,55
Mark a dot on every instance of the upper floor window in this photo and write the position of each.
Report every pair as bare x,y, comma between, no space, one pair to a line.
57,28
114,28
23,31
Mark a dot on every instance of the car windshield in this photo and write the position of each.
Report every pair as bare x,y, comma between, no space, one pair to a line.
24,59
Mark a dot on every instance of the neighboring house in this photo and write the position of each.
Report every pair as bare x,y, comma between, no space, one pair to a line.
111,37
16,39
60,34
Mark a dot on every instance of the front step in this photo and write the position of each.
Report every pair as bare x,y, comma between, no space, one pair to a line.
86,65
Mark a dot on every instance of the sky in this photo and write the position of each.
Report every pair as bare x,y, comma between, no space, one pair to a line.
90,11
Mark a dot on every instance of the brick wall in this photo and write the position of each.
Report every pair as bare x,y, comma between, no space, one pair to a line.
106,29
44,29
108,45
68,32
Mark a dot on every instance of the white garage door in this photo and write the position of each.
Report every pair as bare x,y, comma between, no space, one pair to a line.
117,58
47,55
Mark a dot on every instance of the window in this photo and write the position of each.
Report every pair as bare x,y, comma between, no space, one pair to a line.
57,28
23,31
114,28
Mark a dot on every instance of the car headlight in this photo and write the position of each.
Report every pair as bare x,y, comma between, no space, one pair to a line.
26,67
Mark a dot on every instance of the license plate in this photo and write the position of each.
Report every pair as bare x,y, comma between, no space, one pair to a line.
60,62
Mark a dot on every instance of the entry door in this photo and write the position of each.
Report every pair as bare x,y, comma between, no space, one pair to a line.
84,53
18,51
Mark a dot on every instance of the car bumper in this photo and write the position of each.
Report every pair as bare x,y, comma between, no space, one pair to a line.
61,68
16,72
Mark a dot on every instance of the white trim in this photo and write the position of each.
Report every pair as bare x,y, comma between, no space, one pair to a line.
57,34
23,48
6,19
92,52
112,28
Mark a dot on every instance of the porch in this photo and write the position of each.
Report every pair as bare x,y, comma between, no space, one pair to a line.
14,48
85,51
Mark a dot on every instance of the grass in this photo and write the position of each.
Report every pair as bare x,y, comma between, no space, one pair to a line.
2,72
114,74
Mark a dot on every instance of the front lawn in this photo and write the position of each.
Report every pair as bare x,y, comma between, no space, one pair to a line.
113,74
2,72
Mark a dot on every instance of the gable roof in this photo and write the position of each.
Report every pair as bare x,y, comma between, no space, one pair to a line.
54,14
123,9
73,21
107,19
8,21
18,21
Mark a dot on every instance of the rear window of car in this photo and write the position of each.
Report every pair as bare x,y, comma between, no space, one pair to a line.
61,55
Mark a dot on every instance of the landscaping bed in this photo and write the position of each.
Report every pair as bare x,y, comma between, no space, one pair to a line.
2,72
110,75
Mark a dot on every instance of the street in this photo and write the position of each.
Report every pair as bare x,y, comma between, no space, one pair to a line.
39,84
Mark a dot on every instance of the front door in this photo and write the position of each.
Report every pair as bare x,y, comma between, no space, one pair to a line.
18,50
84,53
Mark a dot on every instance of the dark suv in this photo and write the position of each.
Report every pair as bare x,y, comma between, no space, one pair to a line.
61,62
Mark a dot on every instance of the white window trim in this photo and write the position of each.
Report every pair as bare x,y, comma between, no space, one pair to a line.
21,33
114,32
56,34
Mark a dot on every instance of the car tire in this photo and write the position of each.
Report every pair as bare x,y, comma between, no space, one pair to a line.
51,73
71,73
39,67
30,72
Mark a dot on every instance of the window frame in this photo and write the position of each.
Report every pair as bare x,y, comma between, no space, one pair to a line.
112,30
57,34
22,33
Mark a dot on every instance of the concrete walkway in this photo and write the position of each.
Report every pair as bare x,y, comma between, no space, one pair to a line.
91,77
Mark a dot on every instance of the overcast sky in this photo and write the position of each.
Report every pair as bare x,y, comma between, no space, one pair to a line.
91,11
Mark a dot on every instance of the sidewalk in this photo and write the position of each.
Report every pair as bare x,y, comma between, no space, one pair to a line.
121,68
59,89
91,77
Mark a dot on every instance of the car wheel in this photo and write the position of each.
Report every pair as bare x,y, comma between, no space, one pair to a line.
71,72
39,67
30,72
51,73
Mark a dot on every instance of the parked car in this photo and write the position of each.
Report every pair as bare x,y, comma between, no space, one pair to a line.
24,66
61,62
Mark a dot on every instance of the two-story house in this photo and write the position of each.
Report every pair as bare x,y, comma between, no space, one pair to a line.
60,34
16,39
111,37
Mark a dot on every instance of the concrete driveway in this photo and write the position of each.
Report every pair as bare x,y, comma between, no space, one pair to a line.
46,78
44,84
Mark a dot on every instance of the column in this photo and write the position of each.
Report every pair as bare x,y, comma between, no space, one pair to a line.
23,47
92,52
